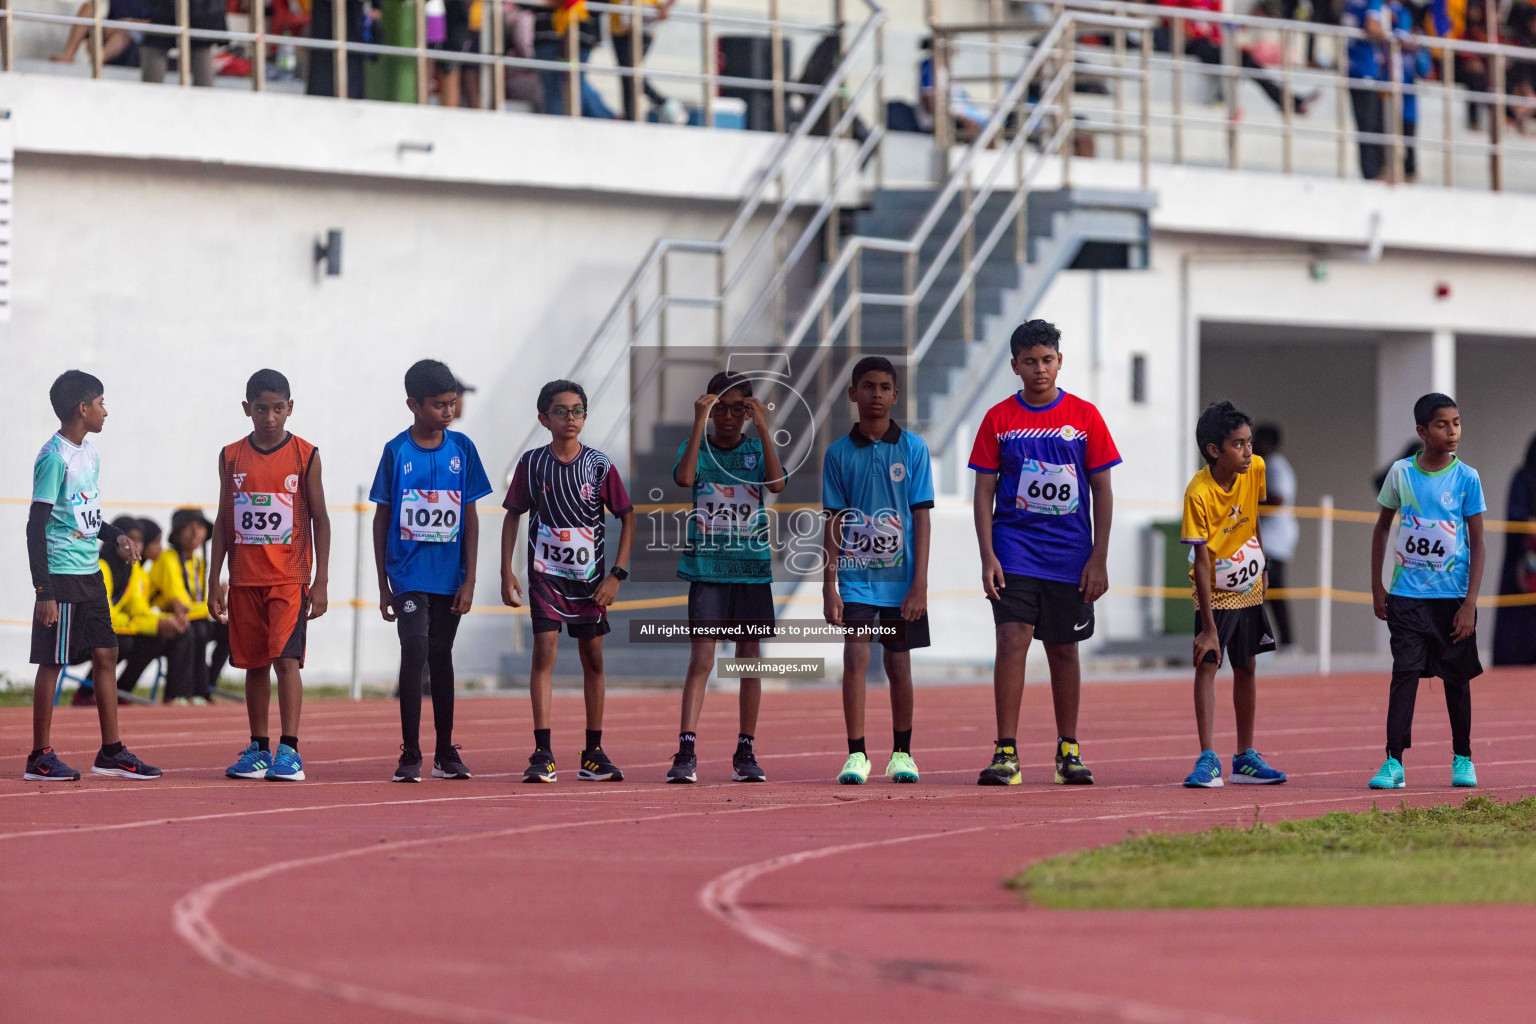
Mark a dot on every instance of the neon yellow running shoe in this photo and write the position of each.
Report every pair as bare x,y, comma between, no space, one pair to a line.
1004,769
902,768
855,770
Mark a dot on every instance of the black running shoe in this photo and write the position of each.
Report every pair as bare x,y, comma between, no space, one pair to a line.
123,765
595,767
685,768
1070,770
541,767
409,768
448,765
744,767
46,767
1004,769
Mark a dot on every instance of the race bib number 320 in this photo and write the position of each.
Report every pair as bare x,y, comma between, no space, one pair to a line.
1240,573
1047,489
431,517
1429,545
263,518
87,509
571,553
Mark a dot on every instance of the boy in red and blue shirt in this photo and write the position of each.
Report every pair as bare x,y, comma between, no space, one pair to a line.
1043,507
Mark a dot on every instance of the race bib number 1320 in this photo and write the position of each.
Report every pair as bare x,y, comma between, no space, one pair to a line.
571,553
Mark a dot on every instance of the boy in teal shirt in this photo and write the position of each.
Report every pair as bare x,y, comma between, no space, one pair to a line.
726,561
72,621
1431,610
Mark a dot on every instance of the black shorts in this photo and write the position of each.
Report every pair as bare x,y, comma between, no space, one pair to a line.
84,623
430,615
1057,610
909,635
577,630
730,603
1241,632
460,37
1420,630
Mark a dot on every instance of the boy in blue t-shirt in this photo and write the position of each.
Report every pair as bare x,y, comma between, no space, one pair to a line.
877,487
1431,611
426,535
726,562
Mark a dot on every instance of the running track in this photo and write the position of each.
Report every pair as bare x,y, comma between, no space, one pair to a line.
346,898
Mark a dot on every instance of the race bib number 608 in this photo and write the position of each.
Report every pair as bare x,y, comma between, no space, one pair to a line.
1047,489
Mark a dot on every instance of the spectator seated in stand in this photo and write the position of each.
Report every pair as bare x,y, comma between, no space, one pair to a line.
154,51
119,47
1203,41
178,584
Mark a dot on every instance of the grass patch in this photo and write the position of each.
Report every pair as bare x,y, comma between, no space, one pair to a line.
1480,851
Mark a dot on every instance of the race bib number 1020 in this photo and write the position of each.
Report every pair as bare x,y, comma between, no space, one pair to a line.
431,517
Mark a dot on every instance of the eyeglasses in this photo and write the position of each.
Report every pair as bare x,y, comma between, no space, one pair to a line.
734,409
560,412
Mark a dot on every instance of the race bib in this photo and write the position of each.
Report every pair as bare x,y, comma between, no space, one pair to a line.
1241,572
87,509
1427,544
873,542
431,516
1047,489
263,518
728,511
570,553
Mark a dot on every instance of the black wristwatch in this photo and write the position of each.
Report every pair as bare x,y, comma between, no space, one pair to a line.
619,573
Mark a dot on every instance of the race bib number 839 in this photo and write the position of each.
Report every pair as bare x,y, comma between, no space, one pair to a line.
263,518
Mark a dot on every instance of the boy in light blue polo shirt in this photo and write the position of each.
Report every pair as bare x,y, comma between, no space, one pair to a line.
426,537
877,488
1431,610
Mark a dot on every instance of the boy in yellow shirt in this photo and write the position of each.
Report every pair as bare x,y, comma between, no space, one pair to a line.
178,582
144,632
1221,526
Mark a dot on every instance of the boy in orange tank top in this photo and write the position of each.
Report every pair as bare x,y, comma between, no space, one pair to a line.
271,521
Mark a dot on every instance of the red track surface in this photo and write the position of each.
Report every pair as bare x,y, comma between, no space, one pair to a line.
346,898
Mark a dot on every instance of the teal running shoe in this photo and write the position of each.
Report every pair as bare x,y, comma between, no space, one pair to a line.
1462,772
1207,773
1250,767
287,766
901,767
1390,775
855,770
254,763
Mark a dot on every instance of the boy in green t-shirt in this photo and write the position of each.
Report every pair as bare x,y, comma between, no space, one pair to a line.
73,621
726,561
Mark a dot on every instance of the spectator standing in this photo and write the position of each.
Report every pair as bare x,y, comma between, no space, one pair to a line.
154,55
1203,41
1514,628
1415,64
119,47
1281,530
630,53
550,24
361,20
458,85
1367,63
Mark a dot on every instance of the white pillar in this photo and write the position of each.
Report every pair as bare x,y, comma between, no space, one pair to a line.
1408,366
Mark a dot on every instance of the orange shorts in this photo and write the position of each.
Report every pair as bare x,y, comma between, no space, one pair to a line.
267,623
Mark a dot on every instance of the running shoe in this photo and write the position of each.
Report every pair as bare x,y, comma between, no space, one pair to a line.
46,767
253,763
287,765
1462,772
541,767
901,767
1207,773
744,767
123,765
855,770
1070,770
595,767
1389,775
1004,769
448,765
685,768
1250,768
409,768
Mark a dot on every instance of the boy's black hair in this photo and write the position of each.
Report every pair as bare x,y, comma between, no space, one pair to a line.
70,390
1032,333
555,387
725,381
1268,433
428,377
1425,408
267,380
149,530
125,523
872,364
1216,425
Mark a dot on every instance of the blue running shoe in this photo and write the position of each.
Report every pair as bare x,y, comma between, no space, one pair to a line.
1249,767
1462,772
287,766
46,767
1207,773
1389,775
253,764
